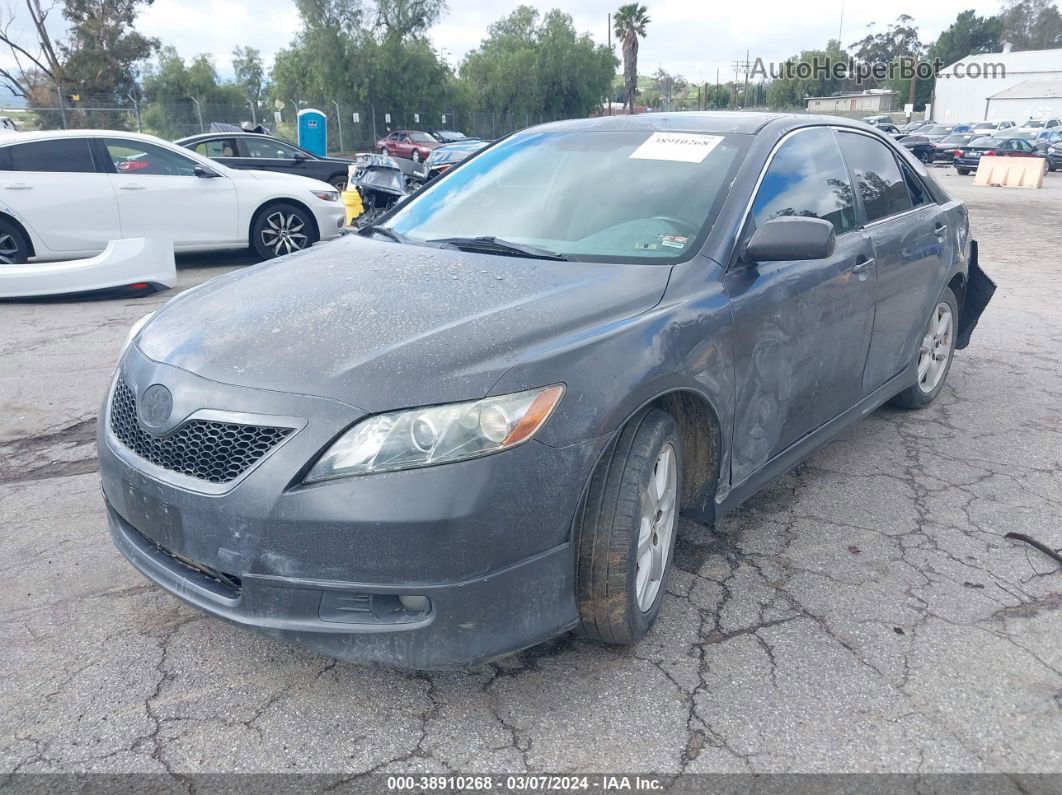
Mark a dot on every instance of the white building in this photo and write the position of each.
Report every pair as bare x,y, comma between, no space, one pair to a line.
1033,99
865,102
973,88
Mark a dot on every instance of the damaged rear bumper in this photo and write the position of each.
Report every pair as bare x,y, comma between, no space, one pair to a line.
979,291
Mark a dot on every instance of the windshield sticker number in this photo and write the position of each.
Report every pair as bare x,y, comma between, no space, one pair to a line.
681,147
673,241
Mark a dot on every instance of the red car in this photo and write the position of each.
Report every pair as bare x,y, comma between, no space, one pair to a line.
413,144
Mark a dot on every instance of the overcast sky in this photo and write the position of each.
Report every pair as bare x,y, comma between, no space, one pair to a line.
689,37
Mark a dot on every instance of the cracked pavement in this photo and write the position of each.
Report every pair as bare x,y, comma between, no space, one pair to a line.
864,613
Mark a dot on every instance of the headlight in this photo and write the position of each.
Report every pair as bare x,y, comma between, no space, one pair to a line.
437,434
326,195
133,331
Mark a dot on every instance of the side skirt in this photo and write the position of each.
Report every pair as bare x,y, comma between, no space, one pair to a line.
804,447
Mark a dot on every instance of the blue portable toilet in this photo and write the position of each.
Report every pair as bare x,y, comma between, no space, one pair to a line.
313,131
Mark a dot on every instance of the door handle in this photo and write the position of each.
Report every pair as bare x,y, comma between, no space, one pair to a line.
130,186
863,264
19,186
940,229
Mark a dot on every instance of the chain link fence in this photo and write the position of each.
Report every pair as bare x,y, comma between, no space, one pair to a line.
351,128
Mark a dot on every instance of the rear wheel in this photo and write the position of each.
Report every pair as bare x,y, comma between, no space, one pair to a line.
934,354
962,171
626,530
14,248
281,229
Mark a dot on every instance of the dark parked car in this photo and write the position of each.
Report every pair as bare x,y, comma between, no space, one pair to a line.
919,146
410,144
266,153
445,157
1050,145
969,157
944,149
474,426
937,132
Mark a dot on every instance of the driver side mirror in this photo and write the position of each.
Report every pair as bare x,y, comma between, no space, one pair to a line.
791,238
299,157
205,173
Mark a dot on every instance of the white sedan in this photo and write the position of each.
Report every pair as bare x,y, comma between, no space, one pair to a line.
66,194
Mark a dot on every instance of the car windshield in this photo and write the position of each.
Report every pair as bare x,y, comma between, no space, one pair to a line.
940,129
985,125
985,140
421,138
956,139
1032,123
605,196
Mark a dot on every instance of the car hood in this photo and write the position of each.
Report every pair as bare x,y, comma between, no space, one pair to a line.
381,326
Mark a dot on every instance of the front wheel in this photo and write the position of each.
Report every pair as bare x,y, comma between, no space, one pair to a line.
962,171
934,354
416,156
281,229
626,530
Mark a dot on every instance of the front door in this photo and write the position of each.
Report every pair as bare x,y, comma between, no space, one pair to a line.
801,329
160,196
269,154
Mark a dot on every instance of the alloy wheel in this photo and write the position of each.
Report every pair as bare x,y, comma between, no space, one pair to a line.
657,528
283,233
936,348
8,249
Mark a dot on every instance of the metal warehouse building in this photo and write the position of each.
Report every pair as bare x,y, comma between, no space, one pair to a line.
999,85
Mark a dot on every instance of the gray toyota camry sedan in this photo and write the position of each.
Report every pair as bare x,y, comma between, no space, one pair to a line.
474,426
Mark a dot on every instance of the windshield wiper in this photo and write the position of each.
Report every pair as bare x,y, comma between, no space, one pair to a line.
382,230
489,244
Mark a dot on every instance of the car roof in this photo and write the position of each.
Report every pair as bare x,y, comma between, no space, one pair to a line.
224,134
719,122
42,135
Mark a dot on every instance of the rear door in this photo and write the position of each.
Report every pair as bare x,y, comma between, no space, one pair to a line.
55,187
802,329
160,196
911,246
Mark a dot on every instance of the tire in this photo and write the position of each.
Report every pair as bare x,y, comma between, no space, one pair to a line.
383,150
925,390
610,526
415,156
962,171
338,181
273,218
14,247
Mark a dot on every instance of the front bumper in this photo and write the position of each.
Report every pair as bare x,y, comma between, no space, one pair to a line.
487,541
331,218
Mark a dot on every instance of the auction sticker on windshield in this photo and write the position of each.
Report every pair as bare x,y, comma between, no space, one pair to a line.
683,147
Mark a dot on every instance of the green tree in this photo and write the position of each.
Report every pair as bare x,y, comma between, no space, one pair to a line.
967,35
250,72
1032,24
95,65
630,22
788,88
530,68
173,88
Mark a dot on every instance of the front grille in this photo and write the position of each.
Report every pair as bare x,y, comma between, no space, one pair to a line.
217,452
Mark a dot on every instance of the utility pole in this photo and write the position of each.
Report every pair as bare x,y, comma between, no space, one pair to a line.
254,119
840,25
59,96
609,29
339,125
136,110
199,112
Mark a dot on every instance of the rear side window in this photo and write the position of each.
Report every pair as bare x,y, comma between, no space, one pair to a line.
807,178
218,147
919,194
881,184
69,155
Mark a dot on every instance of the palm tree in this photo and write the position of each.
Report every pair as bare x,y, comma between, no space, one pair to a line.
630,23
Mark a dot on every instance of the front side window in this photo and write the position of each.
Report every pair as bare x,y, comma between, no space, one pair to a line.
144,159
807,177
268,147
881,185
68,155
217,147
614,196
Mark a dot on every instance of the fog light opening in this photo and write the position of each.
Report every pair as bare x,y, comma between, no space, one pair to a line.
414,604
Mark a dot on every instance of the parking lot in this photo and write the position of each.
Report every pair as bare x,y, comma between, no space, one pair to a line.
864,613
